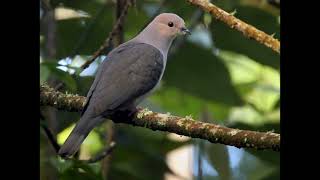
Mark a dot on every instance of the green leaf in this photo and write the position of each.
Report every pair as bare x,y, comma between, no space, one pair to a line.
79,174
63,76
198,72
92,143
273,176
258,84
44,73
84,35
232,40
147,149
248,115
180,103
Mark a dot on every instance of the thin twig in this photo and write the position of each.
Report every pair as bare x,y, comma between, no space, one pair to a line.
58,86
49,134
107,151
107,42
98,157
163,122
246,29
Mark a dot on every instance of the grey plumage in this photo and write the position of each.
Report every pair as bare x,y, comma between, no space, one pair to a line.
129,73
131,70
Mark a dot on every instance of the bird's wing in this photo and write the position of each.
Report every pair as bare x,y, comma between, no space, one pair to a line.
130,71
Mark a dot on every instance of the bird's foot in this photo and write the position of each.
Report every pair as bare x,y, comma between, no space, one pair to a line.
124,115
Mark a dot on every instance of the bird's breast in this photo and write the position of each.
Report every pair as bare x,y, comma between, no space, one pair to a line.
162,69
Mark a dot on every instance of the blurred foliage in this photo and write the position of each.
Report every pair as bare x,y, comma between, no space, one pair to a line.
236,79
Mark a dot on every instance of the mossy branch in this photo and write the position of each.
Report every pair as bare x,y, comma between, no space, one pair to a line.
180,125
246,29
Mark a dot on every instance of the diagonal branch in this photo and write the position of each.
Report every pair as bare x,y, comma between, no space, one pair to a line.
163,122
50,135
246,29
113,32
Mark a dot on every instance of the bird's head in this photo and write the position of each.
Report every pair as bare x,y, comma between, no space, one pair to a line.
170,25
162,30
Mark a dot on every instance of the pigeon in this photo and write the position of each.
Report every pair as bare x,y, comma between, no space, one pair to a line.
128,75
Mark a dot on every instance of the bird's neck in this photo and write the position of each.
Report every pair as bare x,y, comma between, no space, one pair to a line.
155,39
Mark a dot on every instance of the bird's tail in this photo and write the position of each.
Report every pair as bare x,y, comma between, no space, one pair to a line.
77,136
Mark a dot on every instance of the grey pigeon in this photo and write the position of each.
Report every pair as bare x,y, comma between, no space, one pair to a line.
130,72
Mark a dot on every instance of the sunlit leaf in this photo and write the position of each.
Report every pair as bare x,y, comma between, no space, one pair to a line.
92,143
183,104
62,13
246,114
232,40
259,84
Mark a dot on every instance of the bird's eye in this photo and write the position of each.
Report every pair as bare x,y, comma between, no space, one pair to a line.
170,24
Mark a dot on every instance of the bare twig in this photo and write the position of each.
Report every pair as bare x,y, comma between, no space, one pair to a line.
107,42
163,122
246,29
107,151
58,86
200,149
50,136
98,157
106,162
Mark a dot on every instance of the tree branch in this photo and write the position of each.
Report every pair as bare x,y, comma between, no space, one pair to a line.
163,122
246,29
50,136
114,31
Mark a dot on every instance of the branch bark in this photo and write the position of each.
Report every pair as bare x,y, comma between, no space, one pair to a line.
164,122
246,29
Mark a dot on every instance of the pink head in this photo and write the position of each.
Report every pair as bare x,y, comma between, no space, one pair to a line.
162,31
169,25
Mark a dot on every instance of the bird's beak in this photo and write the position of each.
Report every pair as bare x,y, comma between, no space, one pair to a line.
185,31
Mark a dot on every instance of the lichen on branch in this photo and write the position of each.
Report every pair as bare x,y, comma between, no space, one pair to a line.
246,29
164,122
